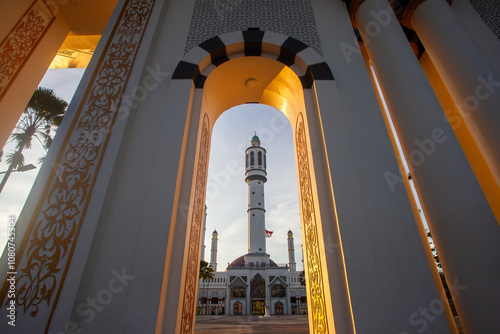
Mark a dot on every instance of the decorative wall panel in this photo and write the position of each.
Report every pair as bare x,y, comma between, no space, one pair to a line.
489,10
16,48
293,18
314,272
47,247
193,259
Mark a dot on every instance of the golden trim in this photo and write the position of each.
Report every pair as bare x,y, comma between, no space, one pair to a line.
48,244
314,270
20,43
190,288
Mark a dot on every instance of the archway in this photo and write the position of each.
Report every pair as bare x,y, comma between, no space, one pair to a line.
260,76
368,211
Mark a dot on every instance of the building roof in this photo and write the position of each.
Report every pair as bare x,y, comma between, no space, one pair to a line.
240,262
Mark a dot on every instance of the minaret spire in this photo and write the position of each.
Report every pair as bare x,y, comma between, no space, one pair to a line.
213,252
256,176
291,252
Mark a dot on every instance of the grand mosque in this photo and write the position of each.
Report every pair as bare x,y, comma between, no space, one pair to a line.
253,284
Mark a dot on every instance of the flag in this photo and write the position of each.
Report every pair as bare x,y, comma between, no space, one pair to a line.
269,233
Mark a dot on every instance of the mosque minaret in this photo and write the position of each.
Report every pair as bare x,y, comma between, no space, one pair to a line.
213,251
256,176
291,252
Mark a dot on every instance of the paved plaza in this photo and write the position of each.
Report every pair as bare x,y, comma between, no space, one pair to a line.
290,324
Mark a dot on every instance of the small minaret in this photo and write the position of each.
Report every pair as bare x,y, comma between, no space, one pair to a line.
213,253
291,252
255,176
203,247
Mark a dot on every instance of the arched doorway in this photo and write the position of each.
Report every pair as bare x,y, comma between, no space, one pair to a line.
266,79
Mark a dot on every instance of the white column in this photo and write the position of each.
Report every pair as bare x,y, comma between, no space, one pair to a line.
213,252
470,78
466,233
291,252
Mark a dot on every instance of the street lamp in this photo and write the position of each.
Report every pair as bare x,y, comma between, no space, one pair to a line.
7,173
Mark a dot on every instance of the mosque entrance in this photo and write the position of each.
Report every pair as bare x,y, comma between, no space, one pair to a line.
258,307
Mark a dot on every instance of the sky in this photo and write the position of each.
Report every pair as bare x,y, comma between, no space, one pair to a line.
18,186
227,191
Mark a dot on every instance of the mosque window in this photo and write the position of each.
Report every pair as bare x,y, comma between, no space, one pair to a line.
260,158
237,308
251,158
264,161
278,307
278,290
246,161
238,292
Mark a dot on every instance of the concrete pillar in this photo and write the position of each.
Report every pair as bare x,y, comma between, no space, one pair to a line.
470,78
459,217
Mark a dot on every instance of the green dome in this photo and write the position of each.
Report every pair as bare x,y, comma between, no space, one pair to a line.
255,141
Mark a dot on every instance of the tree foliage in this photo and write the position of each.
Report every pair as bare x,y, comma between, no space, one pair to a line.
302,278
206,271
43,112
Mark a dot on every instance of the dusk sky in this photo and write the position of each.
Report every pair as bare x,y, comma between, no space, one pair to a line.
226,190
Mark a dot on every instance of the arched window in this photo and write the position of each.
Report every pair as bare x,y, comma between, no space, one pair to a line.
251,159
237,308
264,161
246,161
278,307
260,158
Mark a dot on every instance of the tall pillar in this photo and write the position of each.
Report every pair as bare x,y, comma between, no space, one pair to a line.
213,252
459,217
291,252
470,78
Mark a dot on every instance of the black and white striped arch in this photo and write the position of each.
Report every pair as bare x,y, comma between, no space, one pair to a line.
203,59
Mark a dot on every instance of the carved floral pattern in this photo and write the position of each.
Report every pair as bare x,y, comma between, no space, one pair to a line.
22,40
48,244
294,18
312,253
190,289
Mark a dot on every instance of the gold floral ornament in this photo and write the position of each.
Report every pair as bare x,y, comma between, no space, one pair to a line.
314,275
16,48
192,270
48,244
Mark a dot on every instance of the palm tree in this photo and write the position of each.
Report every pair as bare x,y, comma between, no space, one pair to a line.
44,110
206,273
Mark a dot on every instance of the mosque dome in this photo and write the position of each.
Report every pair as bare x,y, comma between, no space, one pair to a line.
255,141
240,262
